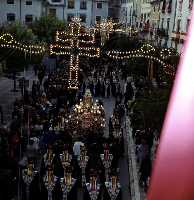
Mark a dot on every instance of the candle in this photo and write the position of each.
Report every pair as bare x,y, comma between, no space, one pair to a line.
68,178
29,170
93,183
66,156
114,181
49,176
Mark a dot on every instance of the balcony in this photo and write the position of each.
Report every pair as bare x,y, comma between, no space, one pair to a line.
178,36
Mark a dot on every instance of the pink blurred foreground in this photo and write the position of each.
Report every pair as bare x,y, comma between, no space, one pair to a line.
173,173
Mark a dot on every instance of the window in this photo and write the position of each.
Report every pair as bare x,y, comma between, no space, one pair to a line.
10,1
83,5
28,18
69,17
188,23
28,3
83,17
99,5
71,4
10,17
98,18
52,12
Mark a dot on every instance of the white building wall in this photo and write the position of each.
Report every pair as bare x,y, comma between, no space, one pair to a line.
146,10
164,17
126,14
77,11
102,12
9,8
184,16
35,9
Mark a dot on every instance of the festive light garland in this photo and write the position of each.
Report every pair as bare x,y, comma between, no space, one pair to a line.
7,41
143,52
70,45
167,53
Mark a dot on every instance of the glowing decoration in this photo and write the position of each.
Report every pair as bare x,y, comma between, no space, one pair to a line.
173,174
105,27
167,53
7,41
146,51
72,44
87,115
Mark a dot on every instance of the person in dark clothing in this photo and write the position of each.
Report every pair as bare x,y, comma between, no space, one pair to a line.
35,69
113,89
145,170
129,93
108,91
103,90
91,88
1,113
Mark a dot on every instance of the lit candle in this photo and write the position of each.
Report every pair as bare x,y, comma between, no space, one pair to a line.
66,156
93,183
114,182
29,170
49,176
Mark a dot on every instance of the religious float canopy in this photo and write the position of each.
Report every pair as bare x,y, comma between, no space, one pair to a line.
87,116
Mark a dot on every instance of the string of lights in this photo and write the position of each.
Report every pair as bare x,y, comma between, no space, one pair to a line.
143,52
70,45
8,41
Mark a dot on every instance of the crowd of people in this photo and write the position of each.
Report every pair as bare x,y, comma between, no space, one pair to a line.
146,137
38,124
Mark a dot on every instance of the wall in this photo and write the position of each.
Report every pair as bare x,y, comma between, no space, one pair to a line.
103,12
78,11
126,14
35,9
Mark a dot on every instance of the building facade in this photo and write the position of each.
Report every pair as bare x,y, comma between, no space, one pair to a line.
155,15
126,12
99,10
175,19
114,8
25,11
145,13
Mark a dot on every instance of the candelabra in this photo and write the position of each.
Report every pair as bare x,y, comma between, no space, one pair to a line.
107,160
49,181
65,158
113,187
48,157
66,184
93,188
82,162
28,175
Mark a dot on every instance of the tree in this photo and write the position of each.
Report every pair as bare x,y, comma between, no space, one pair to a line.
46,26
153,106
20,32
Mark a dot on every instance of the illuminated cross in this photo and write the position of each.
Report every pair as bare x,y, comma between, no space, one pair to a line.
75,44
105,28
